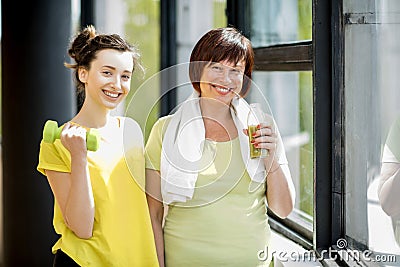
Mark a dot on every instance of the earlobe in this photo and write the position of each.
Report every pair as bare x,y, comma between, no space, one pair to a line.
82,74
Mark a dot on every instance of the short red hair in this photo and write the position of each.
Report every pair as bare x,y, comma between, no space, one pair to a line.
222,44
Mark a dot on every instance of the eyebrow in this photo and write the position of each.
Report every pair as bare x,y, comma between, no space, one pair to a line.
219,63
113,68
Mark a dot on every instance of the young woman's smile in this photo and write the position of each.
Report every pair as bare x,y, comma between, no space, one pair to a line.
110,94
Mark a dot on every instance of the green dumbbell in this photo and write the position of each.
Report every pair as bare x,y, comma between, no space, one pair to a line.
51,132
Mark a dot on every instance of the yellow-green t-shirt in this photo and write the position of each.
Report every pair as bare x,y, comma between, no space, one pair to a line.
225,223
122,232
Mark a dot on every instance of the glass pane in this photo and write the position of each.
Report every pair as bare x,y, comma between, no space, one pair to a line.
372,56
220,19
276,21
142,28
290,97
192,23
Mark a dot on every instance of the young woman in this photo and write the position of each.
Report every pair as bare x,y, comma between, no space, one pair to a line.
198,164
100,212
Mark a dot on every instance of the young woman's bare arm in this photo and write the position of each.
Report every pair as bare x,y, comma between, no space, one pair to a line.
73,191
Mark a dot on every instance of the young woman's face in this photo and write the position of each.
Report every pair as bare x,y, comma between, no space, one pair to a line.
221,80
109,79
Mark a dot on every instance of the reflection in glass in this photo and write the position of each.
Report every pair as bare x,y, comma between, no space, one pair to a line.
384,214
386,239
372,56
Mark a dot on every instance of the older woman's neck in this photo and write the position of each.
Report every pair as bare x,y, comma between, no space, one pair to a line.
214,109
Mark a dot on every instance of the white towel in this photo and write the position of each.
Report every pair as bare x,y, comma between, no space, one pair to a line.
183,144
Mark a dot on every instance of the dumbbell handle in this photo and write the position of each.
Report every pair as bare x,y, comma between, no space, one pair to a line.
51,132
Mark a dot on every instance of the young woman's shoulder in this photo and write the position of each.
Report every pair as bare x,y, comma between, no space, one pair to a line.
128,121
131,129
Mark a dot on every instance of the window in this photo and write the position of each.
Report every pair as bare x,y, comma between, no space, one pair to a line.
180,29
142,28
281,34
190,27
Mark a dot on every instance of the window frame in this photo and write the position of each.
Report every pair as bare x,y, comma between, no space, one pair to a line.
296,56
323,55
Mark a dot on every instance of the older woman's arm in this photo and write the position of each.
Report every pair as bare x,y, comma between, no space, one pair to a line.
280,190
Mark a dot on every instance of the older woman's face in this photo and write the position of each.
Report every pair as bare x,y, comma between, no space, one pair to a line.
221,80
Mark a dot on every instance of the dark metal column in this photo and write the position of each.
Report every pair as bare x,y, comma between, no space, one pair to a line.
323,140
168,55
87,12
35,87
239,16
87,18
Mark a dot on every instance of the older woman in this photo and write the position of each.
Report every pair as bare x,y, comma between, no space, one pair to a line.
198,164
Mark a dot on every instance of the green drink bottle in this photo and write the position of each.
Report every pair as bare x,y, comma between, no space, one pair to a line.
254,118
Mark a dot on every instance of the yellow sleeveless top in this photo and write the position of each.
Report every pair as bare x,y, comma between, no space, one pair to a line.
122,232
